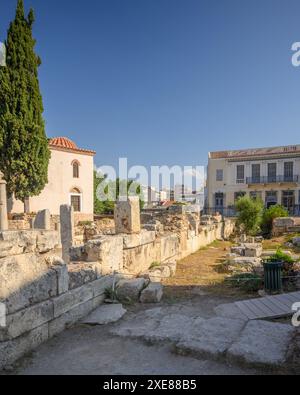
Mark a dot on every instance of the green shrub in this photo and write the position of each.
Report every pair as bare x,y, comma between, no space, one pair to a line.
269,214
248,282
249,213
281,256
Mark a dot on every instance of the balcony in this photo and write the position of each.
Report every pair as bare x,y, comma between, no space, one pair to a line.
273,180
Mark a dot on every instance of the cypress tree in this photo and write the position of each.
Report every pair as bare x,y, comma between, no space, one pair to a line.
24,151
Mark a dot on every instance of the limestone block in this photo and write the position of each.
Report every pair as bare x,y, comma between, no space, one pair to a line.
26,320
81,273
42,220
61,269
108,251
70,318
47,241
169,247
138,259
240,250
67,231
99,286
139,239
262,343
129,290
25,280
105,314
173,267
157,274
78,253
127,215
71,299
296,241
152,294
247,261
210,338
11,351
17,242
253,250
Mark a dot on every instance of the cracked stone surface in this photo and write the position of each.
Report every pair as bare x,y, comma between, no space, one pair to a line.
105,314
262,343
210,338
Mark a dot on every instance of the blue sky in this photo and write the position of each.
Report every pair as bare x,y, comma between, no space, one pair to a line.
163,82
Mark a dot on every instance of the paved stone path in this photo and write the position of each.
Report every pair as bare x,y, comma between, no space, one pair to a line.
254,343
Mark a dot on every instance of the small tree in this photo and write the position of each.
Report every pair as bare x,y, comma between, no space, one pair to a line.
269,215
249,214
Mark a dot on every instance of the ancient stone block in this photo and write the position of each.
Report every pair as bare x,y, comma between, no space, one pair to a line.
71,299
47,241
139,239
66,230
42,220
108,251
127,215
105,314
253,250
169,247
262,343
152,294
240,250
26,320
210,338
17,242
25,280
12,350
99,286
70,318
81,273
129,290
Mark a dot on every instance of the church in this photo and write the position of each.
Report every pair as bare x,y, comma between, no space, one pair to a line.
70,181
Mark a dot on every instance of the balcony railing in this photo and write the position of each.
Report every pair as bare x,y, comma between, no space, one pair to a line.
272,179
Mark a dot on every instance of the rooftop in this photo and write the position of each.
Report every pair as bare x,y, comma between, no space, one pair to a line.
65,144
255,152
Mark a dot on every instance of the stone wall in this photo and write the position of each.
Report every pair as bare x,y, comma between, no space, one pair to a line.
285,225
41,294
44,294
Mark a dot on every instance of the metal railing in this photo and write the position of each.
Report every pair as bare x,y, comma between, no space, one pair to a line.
272,179
225,211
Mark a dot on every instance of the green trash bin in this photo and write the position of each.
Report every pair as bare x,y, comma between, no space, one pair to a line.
273,276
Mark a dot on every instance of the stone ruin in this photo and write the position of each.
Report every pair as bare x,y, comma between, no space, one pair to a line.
48,282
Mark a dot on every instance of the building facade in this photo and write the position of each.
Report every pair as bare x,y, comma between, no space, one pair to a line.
70,181
272,174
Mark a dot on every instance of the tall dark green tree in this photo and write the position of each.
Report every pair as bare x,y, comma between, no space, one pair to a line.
24,152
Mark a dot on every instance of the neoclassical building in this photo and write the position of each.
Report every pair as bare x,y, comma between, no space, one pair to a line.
70,180
273,174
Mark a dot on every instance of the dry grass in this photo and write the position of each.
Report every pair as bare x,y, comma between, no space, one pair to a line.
202,270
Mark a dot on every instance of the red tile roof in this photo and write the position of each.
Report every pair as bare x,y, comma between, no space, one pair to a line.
65,144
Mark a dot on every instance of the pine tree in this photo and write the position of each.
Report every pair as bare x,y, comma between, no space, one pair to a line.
24,151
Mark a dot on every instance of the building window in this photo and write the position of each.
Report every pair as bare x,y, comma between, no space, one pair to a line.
288,171
219,200
219,175
75,198
256,173
75,165
238,195
271,198
288,199
240,174
255,195
272,172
